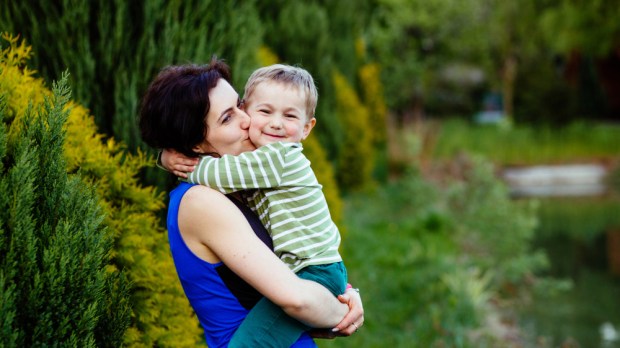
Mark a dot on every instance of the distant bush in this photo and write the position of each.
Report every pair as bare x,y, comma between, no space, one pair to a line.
356,154
432,259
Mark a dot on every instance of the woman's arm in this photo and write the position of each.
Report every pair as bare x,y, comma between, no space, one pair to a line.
217,223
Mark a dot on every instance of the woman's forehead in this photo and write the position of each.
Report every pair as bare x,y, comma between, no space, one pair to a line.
222,97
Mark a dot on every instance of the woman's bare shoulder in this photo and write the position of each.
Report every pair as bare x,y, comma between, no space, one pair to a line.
201,204
200,193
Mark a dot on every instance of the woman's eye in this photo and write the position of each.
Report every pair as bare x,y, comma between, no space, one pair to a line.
226,118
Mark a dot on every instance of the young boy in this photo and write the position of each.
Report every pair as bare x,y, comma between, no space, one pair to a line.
280,186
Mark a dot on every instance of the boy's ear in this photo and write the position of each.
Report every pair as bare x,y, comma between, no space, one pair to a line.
308,127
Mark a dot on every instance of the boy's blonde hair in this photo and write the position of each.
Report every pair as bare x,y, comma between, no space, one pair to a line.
290,75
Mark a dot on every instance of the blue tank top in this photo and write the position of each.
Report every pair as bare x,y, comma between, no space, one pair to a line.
219,297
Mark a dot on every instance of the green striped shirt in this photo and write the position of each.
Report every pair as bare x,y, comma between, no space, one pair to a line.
283,191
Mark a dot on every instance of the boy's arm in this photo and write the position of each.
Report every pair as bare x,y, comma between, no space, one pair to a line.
175,162
258,169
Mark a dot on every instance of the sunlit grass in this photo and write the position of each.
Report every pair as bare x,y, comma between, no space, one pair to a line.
523,145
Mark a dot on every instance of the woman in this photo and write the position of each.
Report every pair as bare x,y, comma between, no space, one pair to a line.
194,110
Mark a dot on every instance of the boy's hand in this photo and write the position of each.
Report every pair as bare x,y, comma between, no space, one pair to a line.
177,163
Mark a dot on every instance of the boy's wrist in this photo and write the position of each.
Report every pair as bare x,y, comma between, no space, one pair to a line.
158,162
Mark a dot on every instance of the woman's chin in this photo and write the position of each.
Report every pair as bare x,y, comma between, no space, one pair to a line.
248,146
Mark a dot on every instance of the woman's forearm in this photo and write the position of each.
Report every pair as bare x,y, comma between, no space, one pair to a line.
223,228
315,306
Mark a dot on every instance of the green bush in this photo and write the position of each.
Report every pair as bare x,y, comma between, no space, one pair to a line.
356,156
433,259
495,231
160,313
114,48
56,286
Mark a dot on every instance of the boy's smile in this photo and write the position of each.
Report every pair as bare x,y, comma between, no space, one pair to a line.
277,113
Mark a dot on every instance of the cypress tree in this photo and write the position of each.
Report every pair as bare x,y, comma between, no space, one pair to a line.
160,313
114,48
55,285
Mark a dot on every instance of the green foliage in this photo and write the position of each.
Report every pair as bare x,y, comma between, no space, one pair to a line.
495,231
587,26
372,93
426,34
522,145
413,251
56,287
355,162
160,314
113,49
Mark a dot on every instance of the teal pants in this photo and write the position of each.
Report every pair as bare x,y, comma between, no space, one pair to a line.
267,325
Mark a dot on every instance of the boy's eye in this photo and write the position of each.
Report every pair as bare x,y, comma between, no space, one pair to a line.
291,116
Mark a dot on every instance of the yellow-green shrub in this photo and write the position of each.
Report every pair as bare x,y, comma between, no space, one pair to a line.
372,92
265,56
161,314
356,157
325,175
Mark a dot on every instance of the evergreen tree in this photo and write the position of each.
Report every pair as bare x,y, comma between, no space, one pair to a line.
114,48
160,315
55,287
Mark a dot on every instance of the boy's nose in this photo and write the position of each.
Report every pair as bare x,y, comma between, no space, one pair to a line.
245,120
275,122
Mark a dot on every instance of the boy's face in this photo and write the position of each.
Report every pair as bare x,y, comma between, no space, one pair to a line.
277,113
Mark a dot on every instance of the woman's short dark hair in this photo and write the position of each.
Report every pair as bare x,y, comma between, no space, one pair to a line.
174,107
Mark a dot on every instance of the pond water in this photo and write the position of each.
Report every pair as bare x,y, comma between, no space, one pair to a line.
587,314
574,233
580,232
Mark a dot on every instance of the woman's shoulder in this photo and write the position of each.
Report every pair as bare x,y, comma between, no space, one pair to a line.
201,202
200,194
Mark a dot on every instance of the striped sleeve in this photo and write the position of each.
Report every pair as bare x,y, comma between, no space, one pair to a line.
259,169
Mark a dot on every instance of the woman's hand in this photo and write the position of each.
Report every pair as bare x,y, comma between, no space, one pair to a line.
351,322
177,163
355,318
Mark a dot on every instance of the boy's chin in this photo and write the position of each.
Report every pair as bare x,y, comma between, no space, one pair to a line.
262,142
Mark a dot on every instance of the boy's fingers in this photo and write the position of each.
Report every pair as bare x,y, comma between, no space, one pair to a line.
184,168
180,174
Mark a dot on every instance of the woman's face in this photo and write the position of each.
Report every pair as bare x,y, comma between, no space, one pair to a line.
227,124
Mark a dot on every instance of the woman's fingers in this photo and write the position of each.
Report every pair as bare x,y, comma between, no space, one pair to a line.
355,318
